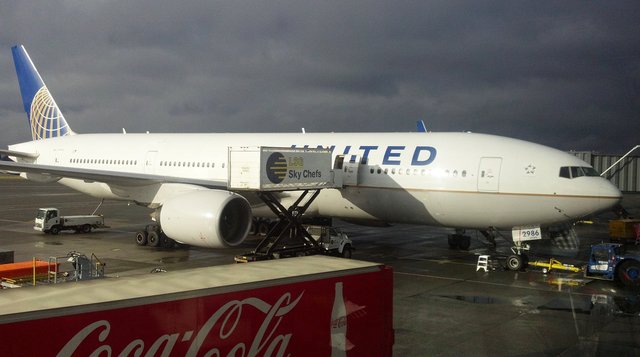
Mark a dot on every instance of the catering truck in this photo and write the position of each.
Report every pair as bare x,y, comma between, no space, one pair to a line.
307,306
49,220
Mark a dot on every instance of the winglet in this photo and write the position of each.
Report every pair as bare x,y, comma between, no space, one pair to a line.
45,118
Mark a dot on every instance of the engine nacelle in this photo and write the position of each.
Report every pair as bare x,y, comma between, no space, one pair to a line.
207,218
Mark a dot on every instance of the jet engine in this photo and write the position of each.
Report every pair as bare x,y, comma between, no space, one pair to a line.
207,218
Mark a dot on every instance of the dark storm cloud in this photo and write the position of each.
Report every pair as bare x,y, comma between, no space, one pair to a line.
566,74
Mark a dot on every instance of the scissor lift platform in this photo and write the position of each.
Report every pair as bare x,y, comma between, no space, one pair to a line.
266,171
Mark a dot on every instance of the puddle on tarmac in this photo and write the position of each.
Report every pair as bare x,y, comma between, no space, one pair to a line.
473,299
596,305
170,260
52,243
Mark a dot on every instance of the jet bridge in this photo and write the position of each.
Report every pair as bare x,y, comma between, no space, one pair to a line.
268,171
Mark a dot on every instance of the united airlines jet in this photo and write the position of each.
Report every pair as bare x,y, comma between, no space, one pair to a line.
458,180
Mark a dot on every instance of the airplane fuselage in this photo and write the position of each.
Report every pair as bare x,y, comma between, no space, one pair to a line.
462,180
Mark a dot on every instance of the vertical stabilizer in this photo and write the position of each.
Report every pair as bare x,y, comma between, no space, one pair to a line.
45,118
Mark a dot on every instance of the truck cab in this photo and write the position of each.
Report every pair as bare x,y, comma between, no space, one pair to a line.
47,218
332,240
611,261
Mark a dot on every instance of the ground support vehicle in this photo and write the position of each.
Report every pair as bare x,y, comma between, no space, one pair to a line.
624,231
554,264
48,220
288,237
314,305
332,240
614,261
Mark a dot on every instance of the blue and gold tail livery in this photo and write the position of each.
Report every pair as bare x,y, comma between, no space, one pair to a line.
45,118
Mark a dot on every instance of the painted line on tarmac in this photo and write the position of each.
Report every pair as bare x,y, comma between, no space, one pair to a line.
14,221
487,283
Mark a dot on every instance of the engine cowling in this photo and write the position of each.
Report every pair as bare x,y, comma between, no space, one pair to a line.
207,218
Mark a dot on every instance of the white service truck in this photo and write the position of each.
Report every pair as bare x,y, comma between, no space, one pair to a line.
334,241
49,220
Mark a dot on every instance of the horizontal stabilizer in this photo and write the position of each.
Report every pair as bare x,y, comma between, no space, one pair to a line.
20,154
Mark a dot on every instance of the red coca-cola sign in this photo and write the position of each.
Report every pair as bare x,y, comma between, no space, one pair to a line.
344,316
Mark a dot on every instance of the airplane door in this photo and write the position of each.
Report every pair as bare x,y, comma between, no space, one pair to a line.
351,169
489,174
149,162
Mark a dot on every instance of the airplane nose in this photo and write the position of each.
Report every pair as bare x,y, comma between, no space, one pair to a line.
609,194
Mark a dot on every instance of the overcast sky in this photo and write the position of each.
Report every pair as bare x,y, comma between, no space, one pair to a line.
563,73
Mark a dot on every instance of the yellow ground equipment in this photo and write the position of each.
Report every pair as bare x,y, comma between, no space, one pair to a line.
555,264
625,231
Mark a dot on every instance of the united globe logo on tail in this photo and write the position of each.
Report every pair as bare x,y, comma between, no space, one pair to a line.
45,117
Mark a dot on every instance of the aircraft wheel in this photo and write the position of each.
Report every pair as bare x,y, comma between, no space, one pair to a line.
629,273
453,240
514,262
346,251
54,230
153,239
254,228
464,242
141,238
263,228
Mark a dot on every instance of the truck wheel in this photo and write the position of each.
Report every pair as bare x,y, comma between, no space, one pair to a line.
629,273
153,239
86,228
54,230
141,238
514,262
346,251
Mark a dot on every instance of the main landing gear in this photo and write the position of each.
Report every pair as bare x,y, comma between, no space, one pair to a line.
153,236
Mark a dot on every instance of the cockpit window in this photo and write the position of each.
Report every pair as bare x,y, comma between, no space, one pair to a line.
577,171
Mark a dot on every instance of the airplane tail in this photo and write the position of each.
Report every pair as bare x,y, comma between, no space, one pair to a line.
45,118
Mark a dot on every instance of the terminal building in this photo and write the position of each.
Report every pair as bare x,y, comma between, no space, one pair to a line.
625,174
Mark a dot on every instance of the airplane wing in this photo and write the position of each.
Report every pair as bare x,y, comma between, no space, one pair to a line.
108,177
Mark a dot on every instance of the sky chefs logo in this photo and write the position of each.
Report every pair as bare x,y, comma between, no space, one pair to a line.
276,167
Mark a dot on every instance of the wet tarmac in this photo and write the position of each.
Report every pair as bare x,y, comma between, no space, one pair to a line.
442,305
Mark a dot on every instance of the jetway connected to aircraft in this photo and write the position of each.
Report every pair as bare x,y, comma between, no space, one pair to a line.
268,171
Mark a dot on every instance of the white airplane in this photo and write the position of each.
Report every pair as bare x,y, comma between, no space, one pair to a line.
458,180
